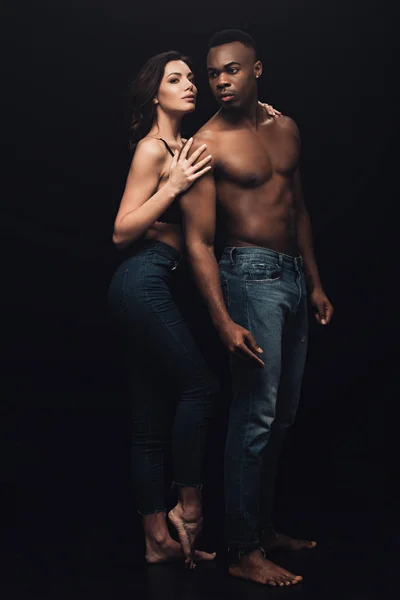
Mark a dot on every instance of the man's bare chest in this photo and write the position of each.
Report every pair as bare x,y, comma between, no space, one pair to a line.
250,159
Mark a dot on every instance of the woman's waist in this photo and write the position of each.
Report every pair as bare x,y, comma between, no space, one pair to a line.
167,233
152,252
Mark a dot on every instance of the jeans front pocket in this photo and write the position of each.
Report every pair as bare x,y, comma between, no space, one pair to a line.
259,272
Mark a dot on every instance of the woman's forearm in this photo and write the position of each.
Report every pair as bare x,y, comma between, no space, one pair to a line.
136,222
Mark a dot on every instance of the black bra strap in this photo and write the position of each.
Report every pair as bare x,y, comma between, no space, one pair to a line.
167,147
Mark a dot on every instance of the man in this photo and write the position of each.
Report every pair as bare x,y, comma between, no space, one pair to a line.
260,289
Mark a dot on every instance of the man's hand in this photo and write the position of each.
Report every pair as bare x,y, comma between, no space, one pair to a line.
239,341
324,309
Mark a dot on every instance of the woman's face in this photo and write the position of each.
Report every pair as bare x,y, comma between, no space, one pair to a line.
177,92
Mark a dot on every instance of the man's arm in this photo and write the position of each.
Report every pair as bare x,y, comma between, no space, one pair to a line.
199,219
318,297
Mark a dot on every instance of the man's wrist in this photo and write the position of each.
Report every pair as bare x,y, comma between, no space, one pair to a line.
221,322
313,283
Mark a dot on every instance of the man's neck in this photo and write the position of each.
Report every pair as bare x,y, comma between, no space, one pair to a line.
251,113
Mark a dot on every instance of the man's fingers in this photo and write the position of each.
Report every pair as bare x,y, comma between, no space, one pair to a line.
244,352
196,154
329,313
251,342
322,314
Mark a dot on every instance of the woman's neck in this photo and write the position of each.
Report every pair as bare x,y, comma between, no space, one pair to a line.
167,127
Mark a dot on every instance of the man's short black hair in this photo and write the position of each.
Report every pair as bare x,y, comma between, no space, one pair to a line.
228,36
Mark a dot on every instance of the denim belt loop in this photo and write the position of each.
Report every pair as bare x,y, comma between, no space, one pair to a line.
176,263
298,262
231,255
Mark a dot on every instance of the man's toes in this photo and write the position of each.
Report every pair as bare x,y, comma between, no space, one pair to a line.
292,579
200,555
307,544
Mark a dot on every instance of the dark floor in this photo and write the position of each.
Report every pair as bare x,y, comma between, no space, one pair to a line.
77,535
351,562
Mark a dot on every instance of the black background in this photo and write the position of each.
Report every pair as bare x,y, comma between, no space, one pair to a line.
66,430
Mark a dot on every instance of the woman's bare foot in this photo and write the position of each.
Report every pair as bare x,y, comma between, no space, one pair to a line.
255,567
280,541
168,550
188,525
160,547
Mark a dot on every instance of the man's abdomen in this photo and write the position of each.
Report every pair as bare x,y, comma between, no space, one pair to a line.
263,217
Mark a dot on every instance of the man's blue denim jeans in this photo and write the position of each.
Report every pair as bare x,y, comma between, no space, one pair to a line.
265,292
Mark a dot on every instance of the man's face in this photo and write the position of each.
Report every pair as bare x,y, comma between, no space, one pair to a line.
232,70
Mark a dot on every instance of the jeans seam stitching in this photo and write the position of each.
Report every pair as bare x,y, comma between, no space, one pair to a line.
176,339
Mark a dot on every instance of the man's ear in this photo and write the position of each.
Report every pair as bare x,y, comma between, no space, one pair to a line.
258,69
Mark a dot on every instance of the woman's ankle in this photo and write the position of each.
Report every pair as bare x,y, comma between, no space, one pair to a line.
155,528
189,511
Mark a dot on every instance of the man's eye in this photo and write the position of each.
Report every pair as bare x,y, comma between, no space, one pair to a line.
212,75
234,70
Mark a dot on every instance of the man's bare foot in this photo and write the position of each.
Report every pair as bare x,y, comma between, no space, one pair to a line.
188,527
255,567
169,550
280,541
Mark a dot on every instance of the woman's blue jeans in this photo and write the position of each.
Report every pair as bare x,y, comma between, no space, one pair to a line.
173,390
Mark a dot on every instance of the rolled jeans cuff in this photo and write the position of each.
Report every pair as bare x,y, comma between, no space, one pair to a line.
152,512
241,549
197,486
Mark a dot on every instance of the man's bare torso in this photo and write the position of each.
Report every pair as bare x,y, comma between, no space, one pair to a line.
254,174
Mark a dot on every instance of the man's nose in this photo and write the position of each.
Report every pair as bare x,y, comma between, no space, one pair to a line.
223,82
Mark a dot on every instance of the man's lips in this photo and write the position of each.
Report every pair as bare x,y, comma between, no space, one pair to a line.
225,97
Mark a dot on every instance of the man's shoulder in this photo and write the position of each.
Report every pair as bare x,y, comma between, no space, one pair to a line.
287,124
210,134
210,131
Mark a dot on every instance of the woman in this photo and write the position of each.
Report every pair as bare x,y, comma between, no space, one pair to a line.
160,345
